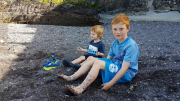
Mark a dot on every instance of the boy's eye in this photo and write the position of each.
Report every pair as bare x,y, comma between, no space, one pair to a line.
115,29
121,29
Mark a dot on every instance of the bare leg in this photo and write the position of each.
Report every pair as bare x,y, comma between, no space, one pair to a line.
68,78
98,65
83,62
81,71
78,60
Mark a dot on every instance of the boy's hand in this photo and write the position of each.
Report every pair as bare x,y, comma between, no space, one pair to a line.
79,49
98,54
106,86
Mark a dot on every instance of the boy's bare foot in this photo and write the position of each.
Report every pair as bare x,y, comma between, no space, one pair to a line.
74,90
68,78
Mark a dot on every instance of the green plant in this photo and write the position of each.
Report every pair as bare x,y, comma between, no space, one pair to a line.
6,89
95,5
58,2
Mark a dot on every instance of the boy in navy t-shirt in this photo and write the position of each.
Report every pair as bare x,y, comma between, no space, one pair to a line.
96,48
121,64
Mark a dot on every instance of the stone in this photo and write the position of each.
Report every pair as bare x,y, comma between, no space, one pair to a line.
176,9
3,3
36,13
33,12
77,15
164,8
166,5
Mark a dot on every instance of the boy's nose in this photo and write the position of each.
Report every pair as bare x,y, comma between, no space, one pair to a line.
118,31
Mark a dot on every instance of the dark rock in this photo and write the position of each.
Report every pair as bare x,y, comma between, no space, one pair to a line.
36,13
76,15
75,9
173,5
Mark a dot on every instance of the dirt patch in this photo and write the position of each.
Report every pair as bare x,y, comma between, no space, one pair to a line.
28,47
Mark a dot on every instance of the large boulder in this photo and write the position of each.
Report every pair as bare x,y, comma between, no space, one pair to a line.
38,13
166,5
76,15
121,5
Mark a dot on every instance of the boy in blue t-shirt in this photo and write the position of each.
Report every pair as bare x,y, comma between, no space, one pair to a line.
124,53
96,48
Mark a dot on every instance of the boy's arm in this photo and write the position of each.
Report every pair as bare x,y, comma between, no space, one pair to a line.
101,50
99,54
82,49
109,57
120,73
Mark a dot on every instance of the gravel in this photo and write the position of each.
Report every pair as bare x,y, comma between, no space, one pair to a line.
25,49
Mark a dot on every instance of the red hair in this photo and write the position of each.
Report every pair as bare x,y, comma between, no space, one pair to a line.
121,18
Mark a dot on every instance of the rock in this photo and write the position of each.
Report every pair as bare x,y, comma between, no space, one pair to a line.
166,5
176,9
76,15
3,3
2,41
36,13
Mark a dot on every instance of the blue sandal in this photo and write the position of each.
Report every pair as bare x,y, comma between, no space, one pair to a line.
77,66
67,63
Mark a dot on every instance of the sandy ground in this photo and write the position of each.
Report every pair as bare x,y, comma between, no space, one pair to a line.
25,48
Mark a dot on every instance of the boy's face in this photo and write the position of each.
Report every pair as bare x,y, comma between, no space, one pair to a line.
94,36
120,32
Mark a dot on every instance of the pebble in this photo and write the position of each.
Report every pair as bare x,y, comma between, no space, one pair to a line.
2,41
63,39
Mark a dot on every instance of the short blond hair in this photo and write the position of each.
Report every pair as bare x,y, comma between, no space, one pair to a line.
121,18
98,29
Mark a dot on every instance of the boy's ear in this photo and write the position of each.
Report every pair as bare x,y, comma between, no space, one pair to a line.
100,37
128,28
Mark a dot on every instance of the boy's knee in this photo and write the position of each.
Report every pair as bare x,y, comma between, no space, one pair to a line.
99,62
82,57
90,58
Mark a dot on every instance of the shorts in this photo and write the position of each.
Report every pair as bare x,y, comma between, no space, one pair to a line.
87,55
111,70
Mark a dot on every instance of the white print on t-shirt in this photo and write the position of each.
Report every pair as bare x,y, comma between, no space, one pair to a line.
113,68
92,49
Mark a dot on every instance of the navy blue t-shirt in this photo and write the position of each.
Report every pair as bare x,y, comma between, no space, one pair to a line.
93,48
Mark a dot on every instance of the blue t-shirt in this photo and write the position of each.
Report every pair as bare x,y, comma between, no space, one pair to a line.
93,48
127,51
